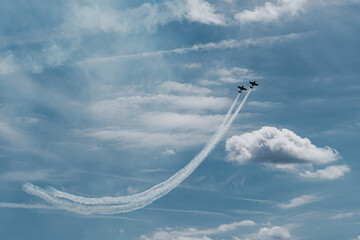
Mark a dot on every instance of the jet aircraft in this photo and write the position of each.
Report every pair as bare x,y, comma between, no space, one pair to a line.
253,84
241,88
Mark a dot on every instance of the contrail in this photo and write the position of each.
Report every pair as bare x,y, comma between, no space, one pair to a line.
224,44
132,202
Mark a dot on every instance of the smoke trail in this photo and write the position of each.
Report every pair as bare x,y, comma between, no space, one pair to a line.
136,201
124,199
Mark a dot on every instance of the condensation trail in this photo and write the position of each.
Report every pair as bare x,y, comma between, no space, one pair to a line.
132,202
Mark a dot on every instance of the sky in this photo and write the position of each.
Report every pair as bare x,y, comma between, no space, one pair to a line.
111,98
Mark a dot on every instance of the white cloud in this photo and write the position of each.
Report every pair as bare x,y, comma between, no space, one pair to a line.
195,234
271,233
26,175
266,105
274,233
192,65
284,150
8,133
186,88
7,63
203,12
138,138
329,173
35,61
95,18
344,215
146,17
299,201
234,75
168,152
271,145
116,107
271,12
180,122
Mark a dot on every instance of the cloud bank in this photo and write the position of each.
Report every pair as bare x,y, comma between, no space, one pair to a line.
284,150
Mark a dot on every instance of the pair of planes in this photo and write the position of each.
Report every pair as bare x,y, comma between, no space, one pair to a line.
241,88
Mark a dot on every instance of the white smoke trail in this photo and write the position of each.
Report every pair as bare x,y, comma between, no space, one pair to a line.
136,201
125,199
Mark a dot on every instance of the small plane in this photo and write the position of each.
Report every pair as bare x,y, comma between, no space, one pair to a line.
241,88
253,84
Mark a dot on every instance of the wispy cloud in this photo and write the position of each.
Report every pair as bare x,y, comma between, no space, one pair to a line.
329,173
345,215
194,233
203,12
184,88
270,12
228,75
146,17
299,201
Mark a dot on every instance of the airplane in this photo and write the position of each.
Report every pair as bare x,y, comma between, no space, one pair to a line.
253,84
241,88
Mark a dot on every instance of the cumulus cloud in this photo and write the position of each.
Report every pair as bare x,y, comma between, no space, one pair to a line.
271,12
299,201
268,233
276,232
329,173
272,145
194,233
284,150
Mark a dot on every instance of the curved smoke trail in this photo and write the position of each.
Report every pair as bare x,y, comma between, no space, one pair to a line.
132,202
125,199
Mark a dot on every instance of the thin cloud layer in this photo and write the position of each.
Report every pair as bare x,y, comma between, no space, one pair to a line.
270,12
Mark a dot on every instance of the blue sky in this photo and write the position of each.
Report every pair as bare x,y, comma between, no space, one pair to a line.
109,98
